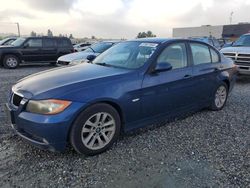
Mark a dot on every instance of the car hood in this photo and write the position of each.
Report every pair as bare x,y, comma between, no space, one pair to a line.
236,49
3,47
83,75
76,56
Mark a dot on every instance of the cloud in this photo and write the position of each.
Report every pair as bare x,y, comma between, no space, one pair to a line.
119,18
50,5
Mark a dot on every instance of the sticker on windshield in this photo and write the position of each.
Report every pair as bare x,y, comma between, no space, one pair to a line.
152,45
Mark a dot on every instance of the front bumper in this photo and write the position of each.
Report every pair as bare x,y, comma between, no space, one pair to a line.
44,131
244,70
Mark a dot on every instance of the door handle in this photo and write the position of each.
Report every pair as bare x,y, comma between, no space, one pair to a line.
187,76
214,69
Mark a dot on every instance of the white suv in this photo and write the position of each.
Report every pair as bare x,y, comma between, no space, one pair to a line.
239,51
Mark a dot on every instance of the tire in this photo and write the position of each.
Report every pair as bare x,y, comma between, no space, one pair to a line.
11,61
89,136
220,97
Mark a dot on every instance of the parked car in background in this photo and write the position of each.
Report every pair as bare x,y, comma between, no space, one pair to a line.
239,52
81,47
131,85
79,57
209,40
34,50
7,41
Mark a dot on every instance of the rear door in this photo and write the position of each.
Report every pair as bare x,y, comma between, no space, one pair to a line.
206,68
49,49
32,50
169,92
64,46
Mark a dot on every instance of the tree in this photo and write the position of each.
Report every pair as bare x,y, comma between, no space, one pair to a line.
71,36
33,34
49,33
145,34
93,37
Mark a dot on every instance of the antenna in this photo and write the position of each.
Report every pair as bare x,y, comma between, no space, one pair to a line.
231,17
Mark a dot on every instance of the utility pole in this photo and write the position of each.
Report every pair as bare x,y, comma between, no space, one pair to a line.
18,28
231,17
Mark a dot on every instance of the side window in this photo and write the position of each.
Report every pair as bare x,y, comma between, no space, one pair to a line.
34,43
215,56
64,43
200,53
175,54
49,43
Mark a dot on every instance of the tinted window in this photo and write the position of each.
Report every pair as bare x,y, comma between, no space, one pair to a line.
64,43
18,42
99,47
34,42
244,40
49,42
215,56
174,54
83,45
200,53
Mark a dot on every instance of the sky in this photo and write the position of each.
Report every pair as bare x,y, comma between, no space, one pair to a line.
117,18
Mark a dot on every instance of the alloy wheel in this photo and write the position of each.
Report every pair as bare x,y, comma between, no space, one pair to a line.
220,96
12,62
98,131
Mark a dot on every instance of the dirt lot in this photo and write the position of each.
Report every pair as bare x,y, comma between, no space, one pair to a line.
206,149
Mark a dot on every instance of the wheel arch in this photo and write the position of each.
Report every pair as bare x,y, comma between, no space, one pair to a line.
10,53
224,77
112,103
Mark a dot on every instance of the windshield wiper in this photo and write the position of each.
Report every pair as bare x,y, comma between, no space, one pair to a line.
92,49
105,64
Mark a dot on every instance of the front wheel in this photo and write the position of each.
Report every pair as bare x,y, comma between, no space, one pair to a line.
220,97
95,130
10,62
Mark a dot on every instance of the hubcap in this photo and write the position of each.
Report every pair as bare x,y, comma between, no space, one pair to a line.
220,96
98,130
11,62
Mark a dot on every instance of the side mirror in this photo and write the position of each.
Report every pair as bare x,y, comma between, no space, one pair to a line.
91,57
162,67
26,45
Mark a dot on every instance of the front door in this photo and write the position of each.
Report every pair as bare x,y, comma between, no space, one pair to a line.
32,50
169,92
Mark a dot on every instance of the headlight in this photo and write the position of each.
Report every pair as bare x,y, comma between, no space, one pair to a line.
78,61
51,106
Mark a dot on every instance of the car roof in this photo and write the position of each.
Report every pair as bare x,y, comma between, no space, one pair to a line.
111,41
154,39
47,37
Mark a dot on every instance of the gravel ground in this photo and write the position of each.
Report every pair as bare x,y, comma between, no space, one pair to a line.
205,149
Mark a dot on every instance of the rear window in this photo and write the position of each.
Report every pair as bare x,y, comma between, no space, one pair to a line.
64,43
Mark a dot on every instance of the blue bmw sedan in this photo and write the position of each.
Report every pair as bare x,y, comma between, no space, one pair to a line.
131,85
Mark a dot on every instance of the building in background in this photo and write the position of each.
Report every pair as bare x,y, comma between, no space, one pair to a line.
230,32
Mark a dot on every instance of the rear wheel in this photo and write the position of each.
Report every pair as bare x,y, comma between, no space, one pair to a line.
220,97
11,61
95,130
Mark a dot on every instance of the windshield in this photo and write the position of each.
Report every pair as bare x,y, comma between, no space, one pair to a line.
3,41
18,42
242,41
99,47
129,55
